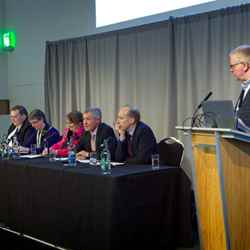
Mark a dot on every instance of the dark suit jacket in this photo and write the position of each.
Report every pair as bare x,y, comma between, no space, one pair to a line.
50,136
143,146
103,132
244,111
26,135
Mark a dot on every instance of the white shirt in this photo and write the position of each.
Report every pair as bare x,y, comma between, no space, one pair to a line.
93,139
10,137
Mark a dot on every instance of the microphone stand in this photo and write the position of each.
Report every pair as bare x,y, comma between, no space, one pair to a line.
199,106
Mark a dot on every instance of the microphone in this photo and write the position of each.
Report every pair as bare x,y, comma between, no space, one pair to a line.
205,99
45,139
199,106
106,141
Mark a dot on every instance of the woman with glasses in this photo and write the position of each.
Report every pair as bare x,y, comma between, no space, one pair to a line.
46,135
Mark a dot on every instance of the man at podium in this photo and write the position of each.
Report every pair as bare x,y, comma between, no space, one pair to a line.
239,64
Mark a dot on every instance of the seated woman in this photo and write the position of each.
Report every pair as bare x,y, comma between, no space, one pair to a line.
20,128
46,135
71,135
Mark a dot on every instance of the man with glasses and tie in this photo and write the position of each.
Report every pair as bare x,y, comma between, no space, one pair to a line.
239,63
136,141
95,133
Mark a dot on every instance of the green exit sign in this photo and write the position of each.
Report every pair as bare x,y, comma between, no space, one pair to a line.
7,40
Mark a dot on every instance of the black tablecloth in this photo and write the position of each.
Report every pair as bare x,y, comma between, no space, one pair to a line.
80,208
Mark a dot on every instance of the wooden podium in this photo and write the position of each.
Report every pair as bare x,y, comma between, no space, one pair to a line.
221,180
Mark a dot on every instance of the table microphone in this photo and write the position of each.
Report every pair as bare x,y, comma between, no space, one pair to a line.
199,106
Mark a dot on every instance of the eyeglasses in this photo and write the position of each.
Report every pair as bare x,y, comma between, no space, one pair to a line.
32,122
231,66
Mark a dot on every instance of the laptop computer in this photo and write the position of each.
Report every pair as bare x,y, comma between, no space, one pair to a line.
219,114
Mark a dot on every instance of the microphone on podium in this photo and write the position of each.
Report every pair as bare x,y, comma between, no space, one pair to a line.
205,99
198,107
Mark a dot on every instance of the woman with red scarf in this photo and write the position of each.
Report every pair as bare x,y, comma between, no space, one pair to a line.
71,135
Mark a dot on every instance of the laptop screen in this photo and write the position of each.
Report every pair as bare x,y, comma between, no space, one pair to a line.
219,114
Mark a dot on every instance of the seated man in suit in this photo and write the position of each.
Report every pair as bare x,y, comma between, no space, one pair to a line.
136,139
95,133
20,129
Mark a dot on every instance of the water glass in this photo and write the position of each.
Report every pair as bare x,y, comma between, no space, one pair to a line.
93,159
33,149
155,159
52,156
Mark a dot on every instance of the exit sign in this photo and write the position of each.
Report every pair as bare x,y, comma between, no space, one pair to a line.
7,40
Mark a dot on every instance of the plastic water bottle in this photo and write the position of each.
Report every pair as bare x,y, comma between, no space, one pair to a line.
15,146
12,153
72,158
105,161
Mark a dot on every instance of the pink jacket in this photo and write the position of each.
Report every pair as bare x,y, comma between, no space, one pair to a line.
61,147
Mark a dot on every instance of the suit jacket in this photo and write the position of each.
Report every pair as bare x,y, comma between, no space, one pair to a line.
50,136
26,135
143,145
244,113
103,132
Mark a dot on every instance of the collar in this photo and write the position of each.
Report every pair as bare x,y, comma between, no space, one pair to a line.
94,132
245,86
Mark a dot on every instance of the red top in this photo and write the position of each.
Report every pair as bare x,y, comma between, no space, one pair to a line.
61,147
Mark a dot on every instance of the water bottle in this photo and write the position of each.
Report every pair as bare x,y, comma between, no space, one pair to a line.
72,157
11,153
105,162
5,152
15,146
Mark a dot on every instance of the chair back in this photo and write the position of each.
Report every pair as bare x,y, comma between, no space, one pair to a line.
171,151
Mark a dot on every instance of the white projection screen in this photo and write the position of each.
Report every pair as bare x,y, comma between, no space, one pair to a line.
115,11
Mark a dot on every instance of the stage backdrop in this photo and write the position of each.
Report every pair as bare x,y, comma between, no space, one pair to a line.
164,69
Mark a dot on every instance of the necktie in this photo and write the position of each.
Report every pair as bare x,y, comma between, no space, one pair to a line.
241,98
38,138
93,144
130,153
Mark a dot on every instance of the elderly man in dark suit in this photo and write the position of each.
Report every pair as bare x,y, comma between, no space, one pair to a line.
95,133
136,141
239,64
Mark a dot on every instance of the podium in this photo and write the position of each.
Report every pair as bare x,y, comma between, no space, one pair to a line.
221,181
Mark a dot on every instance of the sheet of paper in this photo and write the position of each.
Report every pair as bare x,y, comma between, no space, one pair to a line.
98,163
83,161
30,156
117,163
61,158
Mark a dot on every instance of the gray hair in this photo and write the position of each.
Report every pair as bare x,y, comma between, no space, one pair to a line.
242,53
133,112
96,112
